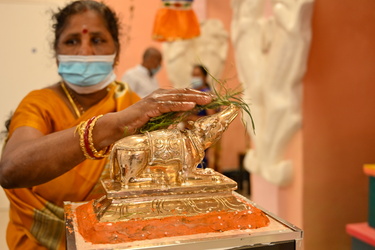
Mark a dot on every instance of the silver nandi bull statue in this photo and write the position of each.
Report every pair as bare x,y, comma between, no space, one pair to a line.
180,150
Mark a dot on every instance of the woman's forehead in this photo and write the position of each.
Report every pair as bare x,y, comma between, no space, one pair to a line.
87,21
197,70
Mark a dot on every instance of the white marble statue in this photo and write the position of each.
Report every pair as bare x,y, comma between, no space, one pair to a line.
271,49
209,49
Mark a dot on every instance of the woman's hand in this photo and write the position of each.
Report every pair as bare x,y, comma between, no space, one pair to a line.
131,119
162,101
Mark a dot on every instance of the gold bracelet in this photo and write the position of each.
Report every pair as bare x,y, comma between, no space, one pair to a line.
86,141
81,131
95,153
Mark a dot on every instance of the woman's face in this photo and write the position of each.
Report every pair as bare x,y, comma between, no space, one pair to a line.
86,34
197,72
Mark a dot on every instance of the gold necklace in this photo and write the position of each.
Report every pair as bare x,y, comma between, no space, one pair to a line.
78,109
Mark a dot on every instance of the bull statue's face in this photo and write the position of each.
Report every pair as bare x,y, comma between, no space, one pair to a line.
209,129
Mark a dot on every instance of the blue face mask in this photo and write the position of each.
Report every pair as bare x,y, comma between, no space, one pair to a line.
155,70
85,71
196,82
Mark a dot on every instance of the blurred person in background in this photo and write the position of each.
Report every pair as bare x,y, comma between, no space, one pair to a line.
141,78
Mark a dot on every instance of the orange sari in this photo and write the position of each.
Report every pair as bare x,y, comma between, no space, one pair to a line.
36,213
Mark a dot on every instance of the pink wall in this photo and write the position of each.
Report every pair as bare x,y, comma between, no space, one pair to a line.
136,34
285,202
235,140
338,136
339,118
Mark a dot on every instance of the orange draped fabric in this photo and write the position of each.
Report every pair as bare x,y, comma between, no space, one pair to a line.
36,213
175,21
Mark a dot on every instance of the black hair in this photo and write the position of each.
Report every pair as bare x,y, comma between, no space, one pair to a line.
202,68
61,17
151,51
4,133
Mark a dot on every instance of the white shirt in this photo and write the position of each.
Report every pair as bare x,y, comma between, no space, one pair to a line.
140,81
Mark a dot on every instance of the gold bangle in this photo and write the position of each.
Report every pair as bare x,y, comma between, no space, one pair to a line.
95,153
81,131
86,141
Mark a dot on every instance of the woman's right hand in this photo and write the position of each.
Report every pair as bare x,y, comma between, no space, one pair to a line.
163,101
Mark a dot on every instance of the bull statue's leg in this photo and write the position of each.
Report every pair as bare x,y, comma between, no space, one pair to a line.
182,174
129,157
132,164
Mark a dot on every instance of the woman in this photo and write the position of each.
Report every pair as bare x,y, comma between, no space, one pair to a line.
57,136
199,82
199,78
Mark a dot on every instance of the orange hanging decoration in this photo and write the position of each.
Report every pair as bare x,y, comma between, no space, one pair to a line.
176,20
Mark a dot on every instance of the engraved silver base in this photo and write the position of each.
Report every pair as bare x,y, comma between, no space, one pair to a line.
144,199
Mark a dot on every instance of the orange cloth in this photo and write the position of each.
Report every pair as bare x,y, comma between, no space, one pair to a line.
36,213
175,23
